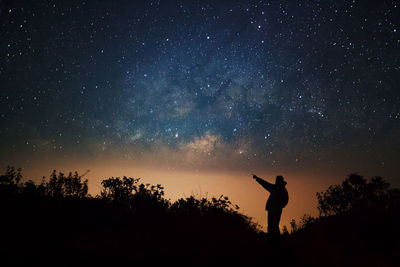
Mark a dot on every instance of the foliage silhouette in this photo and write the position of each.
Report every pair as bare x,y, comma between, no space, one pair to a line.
9,182
58,186
357,226
128,193
119,190
355,193
203,206
12,177
61,186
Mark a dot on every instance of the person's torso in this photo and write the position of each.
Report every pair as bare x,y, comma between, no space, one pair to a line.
274,200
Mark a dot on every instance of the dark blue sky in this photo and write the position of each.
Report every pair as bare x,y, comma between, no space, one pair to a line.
267,82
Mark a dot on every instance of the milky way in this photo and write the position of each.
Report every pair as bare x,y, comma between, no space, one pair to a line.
259,81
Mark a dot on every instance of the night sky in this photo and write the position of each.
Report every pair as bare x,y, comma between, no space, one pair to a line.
273,87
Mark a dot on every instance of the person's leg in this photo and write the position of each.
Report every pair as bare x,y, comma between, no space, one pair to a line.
277,218
270,222
274,217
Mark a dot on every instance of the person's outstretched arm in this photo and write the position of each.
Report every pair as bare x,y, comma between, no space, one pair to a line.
263,183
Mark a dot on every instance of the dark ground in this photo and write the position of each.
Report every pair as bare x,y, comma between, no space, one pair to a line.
90,232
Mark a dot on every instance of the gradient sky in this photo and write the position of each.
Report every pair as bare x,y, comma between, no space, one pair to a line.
200,94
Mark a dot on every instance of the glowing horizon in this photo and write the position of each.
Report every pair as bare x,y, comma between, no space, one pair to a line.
237,185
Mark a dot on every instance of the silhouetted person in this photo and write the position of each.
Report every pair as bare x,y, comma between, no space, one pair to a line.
277,200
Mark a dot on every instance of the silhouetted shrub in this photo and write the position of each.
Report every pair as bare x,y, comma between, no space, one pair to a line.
9,182
219,212
356,193
150,198
191,205
128,193
11,177
30,189
61,186
307,221
119,190
58,185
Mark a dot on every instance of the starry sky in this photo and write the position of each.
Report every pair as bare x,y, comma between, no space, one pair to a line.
308,89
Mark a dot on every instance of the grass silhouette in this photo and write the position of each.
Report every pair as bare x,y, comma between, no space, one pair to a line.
56,222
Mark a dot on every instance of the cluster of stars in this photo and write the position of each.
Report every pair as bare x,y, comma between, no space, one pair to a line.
262,77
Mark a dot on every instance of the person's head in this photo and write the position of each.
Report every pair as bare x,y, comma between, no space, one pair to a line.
279,180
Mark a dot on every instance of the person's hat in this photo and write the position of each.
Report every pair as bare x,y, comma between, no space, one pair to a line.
280,180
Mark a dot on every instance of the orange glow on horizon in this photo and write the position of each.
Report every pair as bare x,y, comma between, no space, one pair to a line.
238,186
184,174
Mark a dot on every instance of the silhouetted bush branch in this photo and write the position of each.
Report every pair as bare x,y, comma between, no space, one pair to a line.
61,186
9,182
58,186
11,177
128,193
192,205
355,193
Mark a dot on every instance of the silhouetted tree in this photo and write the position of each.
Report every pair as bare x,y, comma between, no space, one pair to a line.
216,215
307,221
191,205
356,193
9,182
150,199
61,186
129,193
30,189
119,190
11,177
